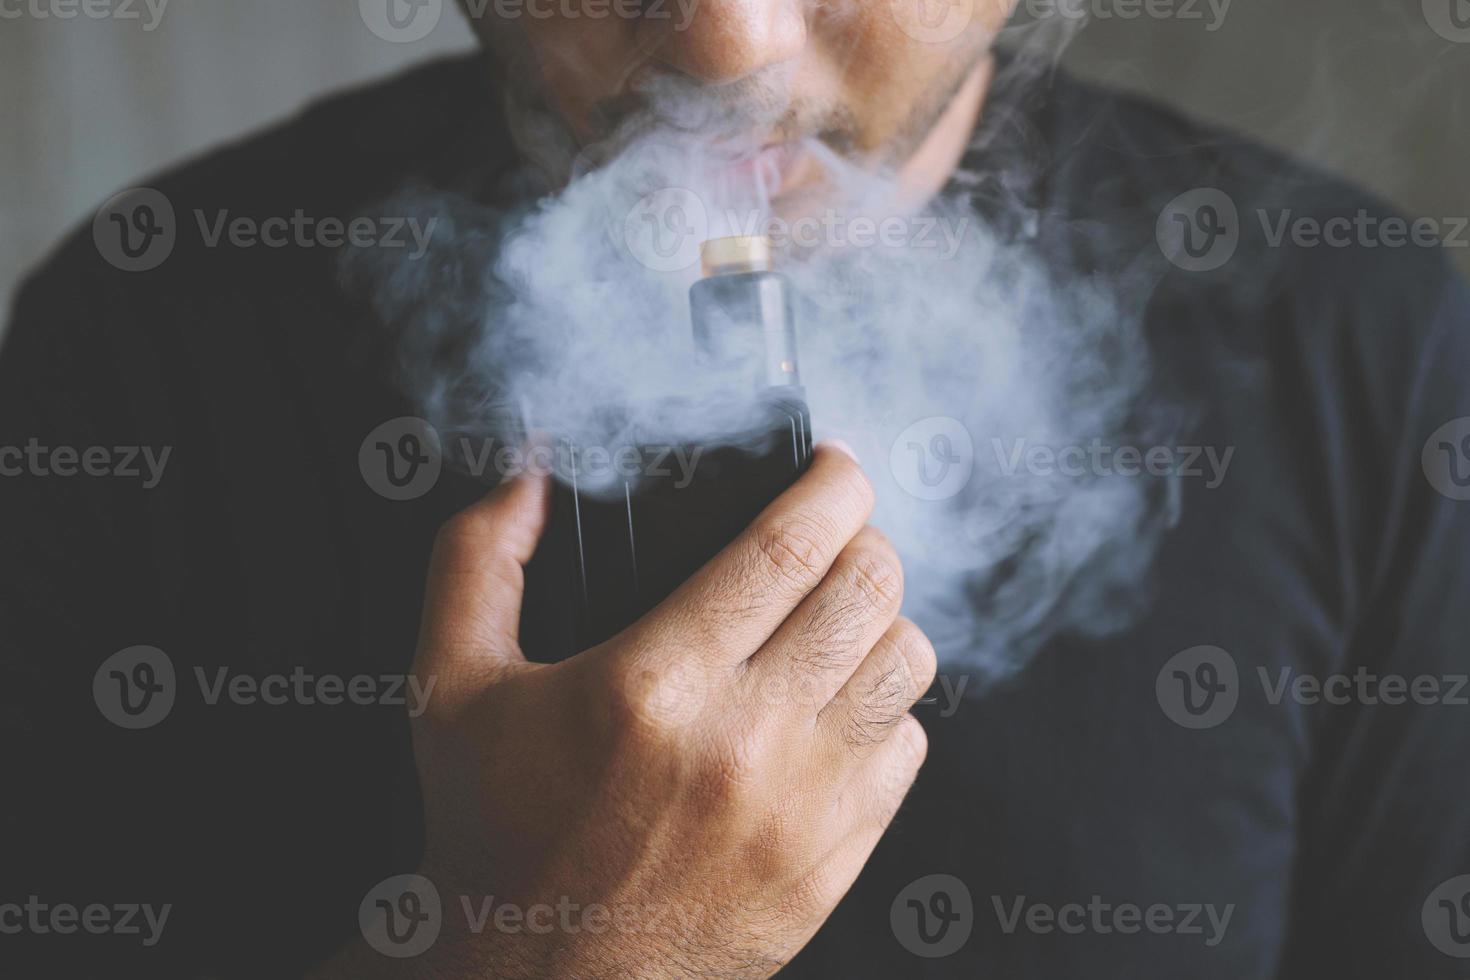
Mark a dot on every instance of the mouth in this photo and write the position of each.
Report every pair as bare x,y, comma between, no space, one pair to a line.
771,170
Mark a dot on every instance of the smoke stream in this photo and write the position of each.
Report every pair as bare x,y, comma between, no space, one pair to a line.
944,349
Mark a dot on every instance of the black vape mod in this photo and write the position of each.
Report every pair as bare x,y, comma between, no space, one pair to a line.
621,546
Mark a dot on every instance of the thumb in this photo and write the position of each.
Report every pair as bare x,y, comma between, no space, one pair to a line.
472,601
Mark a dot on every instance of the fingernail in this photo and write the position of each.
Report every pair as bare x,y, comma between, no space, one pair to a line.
841,446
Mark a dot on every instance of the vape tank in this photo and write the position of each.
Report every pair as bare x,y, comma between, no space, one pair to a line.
619,548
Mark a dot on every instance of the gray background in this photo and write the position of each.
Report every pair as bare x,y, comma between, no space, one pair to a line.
1365,87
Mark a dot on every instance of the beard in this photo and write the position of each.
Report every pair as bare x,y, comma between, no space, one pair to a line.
726,122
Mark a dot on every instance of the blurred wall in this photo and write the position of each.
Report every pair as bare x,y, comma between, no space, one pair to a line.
1367,87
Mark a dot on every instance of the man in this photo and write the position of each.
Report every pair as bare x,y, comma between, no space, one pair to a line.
1256,775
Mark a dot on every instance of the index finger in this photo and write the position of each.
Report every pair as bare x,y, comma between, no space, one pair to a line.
732,605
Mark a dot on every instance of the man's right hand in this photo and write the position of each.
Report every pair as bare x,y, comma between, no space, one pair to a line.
692,797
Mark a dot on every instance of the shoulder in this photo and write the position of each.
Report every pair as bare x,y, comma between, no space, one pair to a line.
1305,316
327,164
1241,248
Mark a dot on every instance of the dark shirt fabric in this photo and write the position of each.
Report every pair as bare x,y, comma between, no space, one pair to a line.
1325,828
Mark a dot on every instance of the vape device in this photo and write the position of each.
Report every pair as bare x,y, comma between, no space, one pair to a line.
619,546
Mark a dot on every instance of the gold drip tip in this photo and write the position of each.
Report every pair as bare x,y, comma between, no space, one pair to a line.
739,253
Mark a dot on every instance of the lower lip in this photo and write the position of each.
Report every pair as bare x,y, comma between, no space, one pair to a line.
769,167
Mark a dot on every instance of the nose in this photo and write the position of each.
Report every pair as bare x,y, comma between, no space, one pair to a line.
727,40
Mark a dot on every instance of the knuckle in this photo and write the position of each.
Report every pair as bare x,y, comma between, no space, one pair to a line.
912,742
875,714
791,552
730,771
873,577
849,478
646,701
899,768
911,646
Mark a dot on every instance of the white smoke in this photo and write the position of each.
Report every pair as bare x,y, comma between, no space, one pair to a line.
555,312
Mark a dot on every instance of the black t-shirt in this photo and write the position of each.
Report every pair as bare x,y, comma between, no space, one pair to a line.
1152,803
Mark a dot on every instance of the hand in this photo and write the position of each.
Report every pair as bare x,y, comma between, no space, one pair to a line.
706,786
